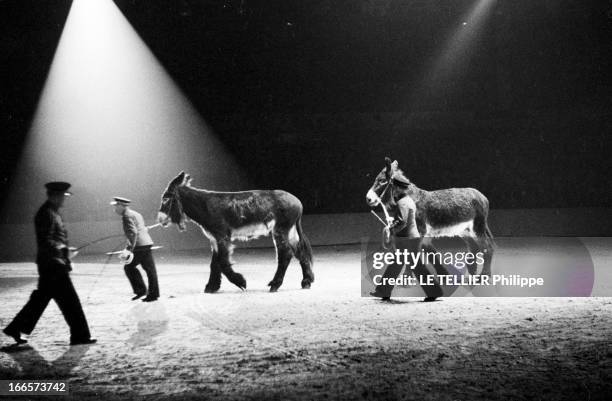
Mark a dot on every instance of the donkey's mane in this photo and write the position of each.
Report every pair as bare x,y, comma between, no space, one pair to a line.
200,190
243,204
399,173
211,191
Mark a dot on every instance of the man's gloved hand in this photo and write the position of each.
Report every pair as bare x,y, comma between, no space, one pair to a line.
391,221
62,258
394,222
72,252
126,256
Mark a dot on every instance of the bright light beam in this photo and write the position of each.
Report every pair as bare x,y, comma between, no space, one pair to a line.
454,55
111,121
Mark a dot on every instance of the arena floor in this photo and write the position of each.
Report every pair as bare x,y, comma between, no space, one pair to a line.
326,342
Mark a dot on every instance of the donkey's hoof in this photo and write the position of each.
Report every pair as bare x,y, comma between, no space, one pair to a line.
211,290
239,281
306,283
274,286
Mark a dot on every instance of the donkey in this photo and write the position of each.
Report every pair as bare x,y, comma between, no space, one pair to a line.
228,216
453,212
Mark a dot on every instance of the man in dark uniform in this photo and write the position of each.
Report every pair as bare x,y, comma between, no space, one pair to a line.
53,261
139,249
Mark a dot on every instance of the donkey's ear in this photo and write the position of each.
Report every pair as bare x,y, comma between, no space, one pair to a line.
394,165
388,163
187,179
178,179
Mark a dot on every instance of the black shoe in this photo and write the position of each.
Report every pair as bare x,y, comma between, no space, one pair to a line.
15,335
150,299
135,297
378,295
83,341
430,299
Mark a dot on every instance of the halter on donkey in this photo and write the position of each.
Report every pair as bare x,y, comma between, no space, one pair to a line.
453,212
228,216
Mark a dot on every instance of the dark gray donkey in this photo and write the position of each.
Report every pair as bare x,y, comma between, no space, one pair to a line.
228,216
460,212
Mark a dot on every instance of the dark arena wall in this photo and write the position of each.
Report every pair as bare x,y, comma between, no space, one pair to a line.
322,229
117,97
315,95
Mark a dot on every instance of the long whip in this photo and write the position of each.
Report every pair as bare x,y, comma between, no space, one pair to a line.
85,245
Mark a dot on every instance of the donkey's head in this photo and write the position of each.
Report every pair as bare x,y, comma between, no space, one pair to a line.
381,182
171,209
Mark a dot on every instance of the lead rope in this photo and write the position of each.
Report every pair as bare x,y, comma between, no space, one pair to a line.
386,232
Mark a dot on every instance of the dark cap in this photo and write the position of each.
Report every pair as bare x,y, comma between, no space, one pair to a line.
57,187
118,200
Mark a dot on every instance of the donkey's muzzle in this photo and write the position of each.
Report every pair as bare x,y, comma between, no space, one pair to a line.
372,198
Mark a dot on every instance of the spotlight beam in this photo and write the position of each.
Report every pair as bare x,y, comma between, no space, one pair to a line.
454,54
111,121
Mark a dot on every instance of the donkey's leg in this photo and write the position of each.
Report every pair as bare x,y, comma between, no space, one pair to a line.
428,245
302,250
486,254
225,248
474,246
283,257
307,273
488,257
214,280
485,242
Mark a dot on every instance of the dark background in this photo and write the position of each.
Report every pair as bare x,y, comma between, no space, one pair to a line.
311,95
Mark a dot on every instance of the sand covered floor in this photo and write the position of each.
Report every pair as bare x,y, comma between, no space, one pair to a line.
326,342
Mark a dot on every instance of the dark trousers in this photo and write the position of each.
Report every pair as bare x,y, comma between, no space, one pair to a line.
53,283
143,257
394,270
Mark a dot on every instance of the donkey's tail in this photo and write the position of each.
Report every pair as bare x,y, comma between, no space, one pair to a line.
303,249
